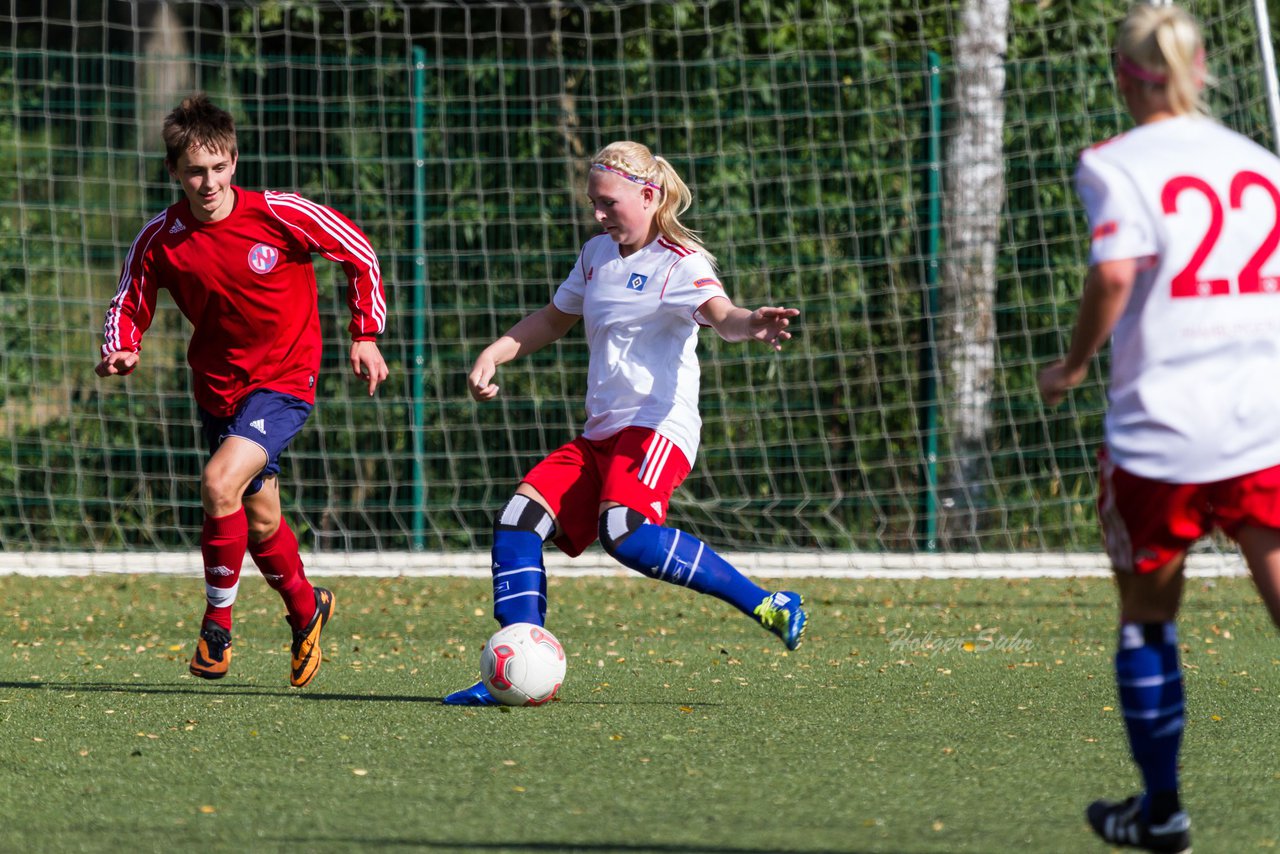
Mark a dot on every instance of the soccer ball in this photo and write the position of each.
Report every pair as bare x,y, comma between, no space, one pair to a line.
522,665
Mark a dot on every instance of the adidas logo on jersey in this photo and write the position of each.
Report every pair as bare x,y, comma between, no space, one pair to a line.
259,425
636,282
657,508
177,227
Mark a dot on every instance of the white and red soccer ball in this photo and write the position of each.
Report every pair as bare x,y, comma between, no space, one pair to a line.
522,665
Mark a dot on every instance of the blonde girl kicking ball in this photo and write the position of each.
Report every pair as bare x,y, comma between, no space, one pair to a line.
644,287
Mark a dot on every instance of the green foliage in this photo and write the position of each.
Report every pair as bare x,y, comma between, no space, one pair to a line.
806,129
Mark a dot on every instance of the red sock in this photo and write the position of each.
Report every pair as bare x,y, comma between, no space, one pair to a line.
280,564
222,542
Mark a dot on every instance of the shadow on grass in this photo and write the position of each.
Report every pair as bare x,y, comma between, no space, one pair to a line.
367,842
233,690
202,688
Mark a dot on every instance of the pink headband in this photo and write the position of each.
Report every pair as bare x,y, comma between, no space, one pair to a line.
1127,66
633,178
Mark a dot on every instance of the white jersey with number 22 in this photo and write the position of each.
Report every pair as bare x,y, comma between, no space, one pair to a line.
1195,358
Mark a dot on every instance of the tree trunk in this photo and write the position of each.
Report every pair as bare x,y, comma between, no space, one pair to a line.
974,195
166,70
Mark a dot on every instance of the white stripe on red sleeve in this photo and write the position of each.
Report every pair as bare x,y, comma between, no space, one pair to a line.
111,332
346,237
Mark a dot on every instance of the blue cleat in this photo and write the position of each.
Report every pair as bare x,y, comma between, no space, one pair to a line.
476,695
783,614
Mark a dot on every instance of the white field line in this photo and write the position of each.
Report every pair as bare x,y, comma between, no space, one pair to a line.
755,564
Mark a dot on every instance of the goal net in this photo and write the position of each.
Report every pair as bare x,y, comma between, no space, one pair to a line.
820,140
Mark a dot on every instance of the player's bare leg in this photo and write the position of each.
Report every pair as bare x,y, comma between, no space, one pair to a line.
1152,597
1149,683
223,542
236,462
519,579
676,557
1261,548
274,548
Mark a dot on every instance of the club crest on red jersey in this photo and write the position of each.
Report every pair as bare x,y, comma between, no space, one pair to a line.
263,258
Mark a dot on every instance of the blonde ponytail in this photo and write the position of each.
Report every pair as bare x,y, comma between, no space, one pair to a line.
635,161
1161,46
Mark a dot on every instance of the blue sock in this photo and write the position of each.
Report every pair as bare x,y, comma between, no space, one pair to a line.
519,579
1150,684
670,555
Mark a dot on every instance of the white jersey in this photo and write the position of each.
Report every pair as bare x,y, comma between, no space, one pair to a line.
641,316
1195,358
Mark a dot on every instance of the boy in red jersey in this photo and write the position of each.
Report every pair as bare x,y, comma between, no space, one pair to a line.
238,265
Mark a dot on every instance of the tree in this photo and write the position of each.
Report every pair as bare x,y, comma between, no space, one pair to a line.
974,195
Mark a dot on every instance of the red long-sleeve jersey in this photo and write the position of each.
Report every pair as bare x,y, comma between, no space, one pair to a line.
248,287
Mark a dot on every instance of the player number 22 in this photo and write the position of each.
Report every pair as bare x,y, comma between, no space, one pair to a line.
1250,280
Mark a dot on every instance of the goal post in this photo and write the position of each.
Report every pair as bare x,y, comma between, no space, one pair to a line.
817,138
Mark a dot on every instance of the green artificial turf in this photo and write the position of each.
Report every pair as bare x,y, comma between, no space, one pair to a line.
921,716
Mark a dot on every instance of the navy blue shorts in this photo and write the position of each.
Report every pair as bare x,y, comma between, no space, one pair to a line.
269,419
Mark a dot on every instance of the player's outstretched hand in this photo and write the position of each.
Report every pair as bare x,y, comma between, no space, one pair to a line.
480,380
367,363
1055,381
769,324
120,362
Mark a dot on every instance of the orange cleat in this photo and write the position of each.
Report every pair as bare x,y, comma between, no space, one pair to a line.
306,641
213,652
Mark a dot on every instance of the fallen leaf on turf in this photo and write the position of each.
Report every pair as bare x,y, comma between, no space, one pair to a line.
207,810
360,772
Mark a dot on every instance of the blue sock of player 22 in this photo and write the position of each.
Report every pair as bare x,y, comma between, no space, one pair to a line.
519,579
1150,683
672,555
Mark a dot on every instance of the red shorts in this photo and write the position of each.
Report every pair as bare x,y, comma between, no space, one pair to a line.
1147,523
635,467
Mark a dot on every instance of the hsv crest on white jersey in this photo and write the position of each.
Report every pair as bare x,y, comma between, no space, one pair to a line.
641,318
1196,355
